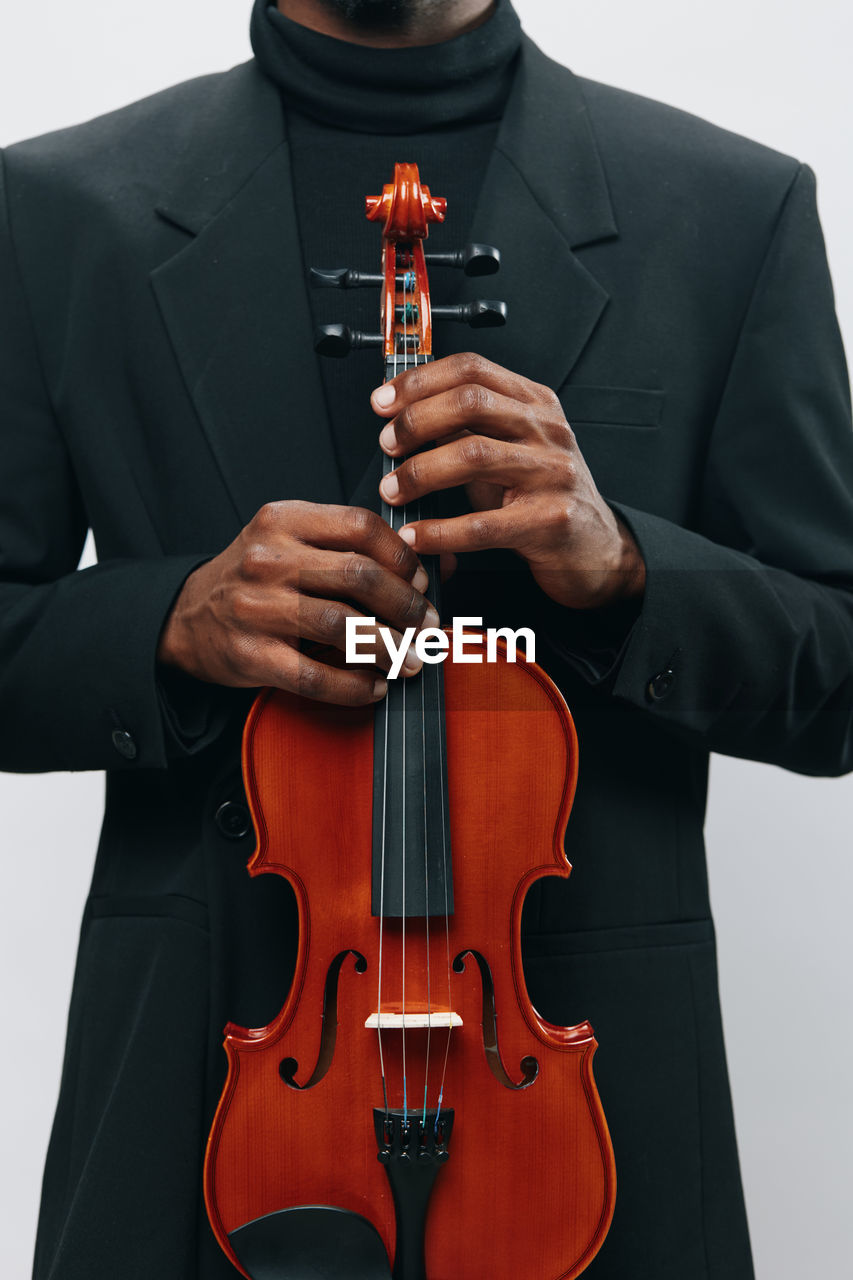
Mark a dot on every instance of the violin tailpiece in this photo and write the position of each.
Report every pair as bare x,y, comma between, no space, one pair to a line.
413,1147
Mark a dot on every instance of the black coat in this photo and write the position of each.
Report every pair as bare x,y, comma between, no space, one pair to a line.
157,382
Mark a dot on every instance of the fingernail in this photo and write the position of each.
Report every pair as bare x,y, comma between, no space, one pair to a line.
387,439
383,397
412,662
391,486
408,535
380,688
421,580
431,617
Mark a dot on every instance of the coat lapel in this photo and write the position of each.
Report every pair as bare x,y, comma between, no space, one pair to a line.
234,299
235,304
544,195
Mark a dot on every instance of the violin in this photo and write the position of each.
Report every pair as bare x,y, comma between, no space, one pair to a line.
408,1113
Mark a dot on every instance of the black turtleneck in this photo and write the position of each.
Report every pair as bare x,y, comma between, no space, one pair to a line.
352,112
399,91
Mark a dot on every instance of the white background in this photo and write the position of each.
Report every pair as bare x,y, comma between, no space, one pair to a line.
779,845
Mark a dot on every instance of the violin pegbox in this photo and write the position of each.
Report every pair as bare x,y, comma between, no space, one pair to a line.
406,208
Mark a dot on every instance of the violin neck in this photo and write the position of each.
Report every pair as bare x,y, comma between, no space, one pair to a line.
412,875
427,508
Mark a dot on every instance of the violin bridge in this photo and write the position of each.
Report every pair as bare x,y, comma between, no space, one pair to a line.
414,1020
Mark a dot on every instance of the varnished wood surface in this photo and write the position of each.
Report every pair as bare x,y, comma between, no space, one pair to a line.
529,1188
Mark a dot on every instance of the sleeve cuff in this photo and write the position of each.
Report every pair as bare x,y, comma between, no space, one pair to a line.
592,642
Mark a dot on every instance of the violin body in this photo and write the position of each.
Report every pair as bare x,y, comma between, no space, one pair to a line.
527,1183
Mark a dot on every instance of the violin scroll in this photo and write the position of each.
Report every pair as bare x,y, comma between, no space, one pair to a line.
406,208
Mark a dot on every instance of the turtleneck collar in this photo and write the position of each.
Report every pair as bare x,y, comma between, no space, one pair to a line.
389,91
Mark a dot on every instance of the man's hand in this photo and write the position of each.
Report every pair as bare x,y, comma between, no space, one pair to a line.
508,441
296,572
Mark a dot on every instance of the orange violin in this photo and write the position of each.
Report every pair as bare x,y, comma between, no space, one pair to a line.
408,1112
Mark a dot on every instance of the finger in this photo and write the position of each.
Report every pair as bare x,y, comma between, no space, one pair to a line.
281,666
355,529
468,407
325,621
339,528
510,527
374,590
452,371
463,461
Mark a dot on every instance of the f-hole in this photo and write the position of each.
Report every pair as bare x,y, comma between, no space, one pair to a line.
288,1067
529,1066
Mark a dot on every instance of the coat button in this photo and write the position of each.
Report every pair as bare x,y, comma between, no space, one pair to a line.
661,685
233,820
124,744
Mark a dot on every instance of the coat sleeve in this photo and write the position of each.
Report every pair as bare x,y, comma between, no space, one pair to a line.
78,681
744,644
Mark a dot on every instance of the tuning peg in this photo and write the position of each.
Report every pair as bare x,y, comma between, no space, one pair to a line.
342,278
340,339
483,313
474,259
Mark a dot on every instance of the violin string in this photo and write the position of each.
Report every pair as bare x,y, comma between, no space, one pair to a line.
385,711
426,876
422,679
416,323
441,790
393,249
405,780
382,919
